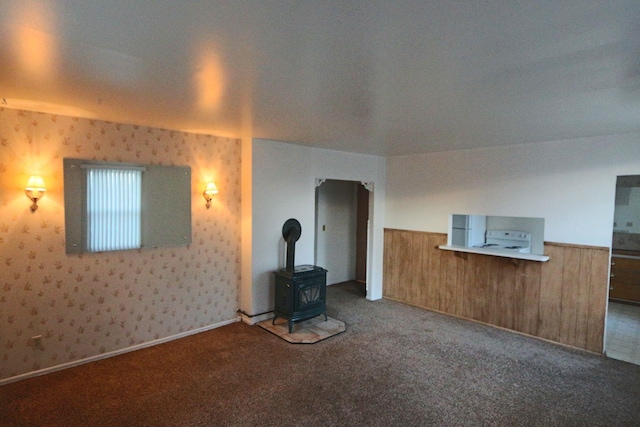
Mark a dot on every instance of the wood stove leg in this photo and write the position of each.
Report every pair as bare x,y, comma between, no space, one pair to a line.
325,316
290,325
273,322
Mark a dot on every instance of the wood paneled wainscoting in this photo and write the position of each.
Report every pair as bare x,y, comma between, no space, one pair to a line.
562,300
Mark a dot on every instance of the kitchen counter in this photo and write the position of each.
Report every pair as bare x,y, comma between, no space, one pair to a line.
620,253
506,253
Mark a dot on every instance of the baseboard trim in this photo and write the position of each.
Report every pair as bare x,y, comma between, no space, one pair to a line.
115,352
252,320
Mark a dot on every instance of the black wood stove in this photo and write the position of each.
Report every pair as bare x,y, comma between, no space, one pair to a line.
301,291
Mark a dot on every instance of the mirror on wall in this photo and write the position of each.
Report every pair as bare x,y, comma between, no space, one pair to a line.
122,206
517,234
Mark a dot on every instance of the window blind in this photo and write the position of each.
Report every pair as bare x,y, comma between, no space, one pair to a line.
114,208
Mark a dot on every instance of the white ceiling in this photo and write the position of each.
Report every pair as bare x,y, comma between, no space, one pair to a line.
385,77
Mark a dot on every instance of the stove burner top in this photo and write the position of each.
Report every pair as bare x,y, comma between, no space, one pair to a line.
510,240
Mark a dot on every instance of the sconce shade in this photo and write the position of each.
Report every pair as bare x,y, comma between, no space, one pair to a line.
211,188
209,191
35,189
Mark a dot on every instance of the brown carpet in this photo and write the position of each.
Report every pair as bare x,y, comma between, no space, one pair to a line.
395,366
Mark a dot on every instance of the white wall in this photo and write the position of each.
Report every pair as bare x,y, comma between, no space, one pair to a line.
283,186
337,214
246,224
571,184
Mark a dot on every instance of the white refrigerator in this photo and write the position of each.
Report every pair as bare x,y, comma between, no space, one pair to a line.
467,230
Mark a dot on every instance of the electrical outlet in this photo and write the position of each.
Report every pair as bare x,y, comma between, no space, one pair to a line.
629,224
36,342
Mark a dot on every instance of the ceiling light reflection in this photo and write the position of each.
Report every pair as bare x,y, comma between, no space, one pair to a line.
34,38
209,82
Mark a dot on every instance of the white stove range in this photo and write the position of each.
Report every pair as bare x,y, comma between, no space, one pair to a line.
517,241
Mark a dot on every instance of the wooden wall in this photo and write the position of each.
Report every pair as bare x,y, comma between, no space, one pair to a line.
563,299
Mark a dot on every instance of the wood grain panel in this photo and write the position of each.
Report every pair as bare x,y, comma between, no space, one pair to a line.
389,272
431,274
469,283
492,307
582,298
415,278
480,294
452,265
551,294
456,306
402,245
569,298
527,298
598,291
563,300
506,273
447,275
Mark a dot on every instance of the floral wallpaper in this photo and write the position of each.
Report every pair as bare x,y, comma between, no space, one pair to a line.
86,305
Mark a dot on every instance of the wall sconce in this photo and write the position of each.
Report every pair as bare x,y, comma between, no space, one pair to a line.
35,189
210,191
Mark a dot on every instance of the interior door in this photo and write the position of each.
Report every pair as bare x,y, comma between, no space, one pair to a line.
362,227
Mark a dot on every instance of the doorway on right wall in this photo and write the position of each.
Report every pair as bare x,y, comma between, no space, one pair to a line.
342,228
623,315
